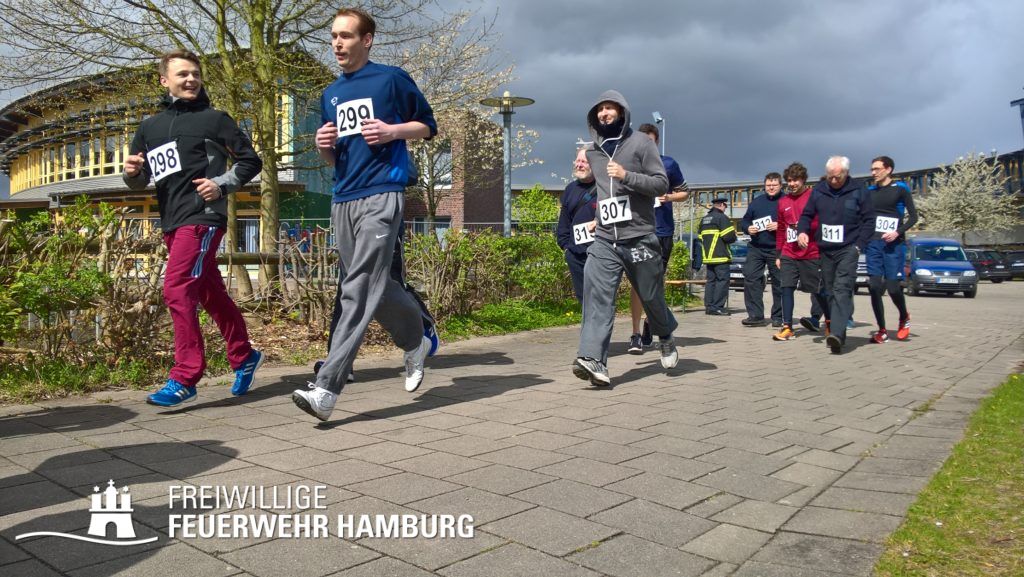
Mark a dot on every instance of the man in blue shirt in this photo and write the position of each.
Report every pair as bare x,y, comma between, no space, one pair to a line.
664,229
761,223
368,113
575,231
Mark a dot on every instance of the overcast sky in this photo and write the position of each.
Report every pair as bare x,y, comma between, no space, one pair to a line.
748,86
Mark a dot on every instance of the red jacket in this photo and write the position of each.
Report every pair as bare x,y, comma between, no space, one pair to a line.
790,208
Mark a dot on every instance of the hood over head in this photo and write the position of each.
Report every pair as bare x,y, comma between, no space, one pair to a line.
595,132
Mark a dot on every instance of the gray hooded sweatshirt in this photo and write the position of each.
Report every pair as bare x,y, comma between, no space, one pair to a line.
645,174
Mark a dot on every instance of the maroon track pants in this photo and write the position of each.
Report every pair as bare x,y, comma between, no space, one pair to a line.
192,279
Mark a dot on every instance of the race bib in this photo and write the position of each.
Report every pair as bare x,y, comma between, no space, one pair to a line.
657,201
886,224
164,160
580,234
351,115
615,209
761,224
832,233
791,234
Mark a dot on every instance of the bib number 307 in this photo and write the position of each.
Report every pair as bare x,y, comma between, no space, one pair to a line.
351,115
832,233
615,209
164,161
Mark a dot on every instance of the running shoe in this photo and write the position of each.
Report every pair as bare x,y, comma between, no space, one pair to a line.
669,355
435,341
786,334
173,394
635,346
834,344
592,370
414,365
810,323
880,336
246,373
316,401
904,330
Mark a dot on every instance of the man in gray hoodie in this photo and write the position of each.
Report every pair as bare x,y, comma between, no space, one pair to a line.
629,174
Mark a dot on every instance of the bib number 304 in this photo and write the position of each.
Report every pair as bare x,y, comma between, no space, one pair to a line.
164,161
886,224
615,209
351,115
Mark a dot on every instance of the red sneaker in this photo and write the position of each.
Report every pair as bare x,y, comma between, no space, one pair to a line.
904,331
880,336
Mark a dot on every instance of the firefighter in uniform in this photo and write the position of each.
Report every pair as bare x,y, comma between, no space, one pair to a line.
716,234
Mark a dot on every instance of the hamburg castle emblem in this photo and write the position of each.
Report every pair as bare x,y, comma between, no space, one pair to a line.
108,507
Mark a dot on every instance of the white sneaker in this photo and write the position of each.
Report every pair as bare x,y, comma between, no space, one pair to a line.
414,365
669,356
316,401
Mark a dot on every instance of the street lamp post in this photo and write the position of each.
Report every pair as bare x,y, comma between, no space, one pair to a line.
506,106
660,121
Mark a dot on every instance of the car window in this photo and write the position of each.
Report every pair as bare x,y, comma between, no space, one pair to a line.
738,249
950,253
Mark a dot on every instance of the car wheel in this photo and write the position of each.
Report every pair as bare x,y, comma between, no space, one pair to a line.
912,289
997,280
971,293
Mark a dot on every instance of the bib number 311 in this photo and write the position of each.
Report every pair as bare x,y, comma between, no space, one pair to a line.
351,115
164,161
615,209
832,233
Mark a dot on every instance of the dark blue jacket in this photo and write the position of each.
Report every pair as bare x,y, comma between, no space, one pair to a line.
578,204
759,208
849,208
664,220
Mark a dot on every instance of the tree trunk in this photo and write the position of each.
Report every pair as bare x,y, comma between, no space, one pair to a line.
244,286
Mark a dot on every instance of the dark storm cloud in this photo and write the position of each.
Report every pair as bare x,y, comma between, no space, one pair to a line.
747,87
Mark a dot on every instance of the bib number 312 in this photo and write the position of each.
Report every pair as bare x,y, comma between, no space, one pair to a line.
164,161
351,115
615,209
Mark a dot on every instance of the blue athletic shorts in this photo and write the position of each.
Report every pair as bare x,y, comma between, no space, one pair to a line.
886,259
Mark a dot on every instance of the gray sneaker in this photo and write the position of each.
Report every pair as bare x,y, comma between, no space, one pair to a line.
316,401
414,365
591,370
669,356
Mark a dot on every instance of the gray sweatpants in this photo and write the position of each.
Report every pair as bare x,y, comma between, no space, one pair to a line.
366,230
640,259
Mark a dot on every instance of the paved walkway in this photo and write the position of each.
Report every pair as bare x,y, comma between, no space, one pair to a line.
750,458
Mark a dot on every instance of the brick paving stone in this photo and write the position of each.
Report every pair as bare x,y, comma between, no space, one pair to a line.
814,552
879,482
898,467
384,567
714,505
654,522
747,484
553,532
251,446
416,435
809,475
747,443
524,457
560,425
384,452
571,497
628,556
320,556
664,490
545,440
617,435
720,570
676,446
827,459
843,524
403,488
671,466
606,452
745,460
758,569
866,501
501,479
729,543
467,445
344,473
589,471
483,506
439,465
759,515
432,554
491,430
514,560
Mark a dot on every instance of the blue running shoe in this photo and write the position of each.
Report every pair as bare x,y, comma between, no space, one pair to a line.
173,393
850,324
435,342
245,374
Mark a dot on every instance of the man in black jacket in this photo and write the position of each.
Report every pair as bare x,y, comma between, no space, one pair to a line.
184,149
575,231
845,218
716,234
761,223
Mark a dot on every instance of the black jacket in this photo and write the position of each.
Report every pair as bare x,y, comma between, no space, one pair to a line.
848,208
716,234
762,207
203,139
578,205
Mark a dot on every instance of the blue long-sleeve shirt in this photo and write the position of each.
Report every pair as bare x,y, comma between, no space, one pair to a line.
760,208
845,215
577,205
664,221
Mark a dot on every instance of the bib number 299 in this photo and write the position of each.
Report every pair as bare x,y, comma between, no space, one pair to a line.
615,209
164,160
351,115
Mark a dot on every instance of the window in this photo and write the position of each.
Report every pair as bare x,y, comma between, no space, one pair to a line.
419,224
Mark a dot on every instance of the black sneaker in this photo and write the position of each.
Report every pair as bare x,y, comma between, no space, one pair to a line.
646,338
810,323
834,344
752,322
591,370
635,346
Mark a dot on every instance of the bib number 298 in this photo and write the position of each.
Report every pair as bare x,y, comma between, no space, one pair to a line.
615,209
351,115
164,160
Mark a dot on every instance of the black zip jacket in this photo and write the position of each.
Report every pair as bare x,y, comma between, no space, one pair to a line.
203,139
848,208
578,205
761,207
